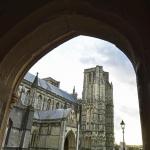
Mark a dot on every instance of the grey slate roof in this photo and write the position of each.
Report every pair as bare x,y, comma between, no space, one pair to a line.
49,87
52,114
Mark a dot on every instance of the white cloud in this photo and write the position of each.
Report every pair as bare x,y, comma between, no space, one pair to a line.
67,62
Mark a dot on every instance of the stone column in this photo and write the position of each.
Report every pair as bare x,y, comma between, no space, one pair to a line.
143,85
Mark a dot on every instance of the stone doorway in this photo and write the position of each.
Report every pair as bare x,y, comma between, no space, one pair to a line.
70,141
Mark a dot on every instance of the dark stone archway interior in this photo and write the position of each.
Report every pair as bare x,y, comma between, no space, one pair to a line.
30,29
70,141
66,144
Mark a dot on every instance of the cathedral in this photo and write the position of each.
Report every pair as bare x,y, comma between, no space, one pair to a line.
48,118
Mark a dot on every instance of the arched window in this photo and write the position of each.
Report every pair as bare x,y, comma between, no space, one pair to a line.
44,104
49,104
57,105
39,102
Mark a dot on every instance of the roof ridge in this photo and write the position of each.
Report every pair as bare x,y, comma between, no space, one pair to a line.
49,87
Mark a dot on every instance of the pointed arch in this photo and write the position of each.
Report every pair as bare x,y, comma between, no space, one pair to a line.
70,141
49,101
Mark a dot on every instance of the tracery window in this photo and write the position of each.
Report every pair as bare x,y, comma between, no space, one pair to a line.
49,104
57,105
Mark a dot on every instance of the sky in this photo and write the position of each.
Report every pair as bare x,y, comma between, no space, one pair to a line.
67,62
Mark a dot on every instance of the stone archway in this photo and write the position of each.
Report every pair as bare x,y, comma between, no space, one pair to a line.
70,142
27,36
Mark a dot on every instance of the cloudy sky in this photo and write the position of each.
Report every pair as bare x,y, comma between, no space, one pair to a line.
67,62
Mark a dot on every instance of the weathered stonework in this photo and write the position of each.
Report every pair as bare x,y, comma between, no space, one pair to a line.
97,110
27,130
45,117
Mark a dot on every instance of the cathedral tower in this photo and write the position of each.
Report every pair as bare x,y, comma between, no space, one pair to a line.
97,110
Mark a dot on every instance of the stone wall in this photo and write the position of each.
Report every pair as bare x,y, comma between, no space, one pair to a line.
18,133
97,110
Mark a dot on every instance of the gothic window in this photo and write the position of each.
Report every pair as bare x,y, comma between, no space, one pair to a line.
39,101
49,104
57,105
27,98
